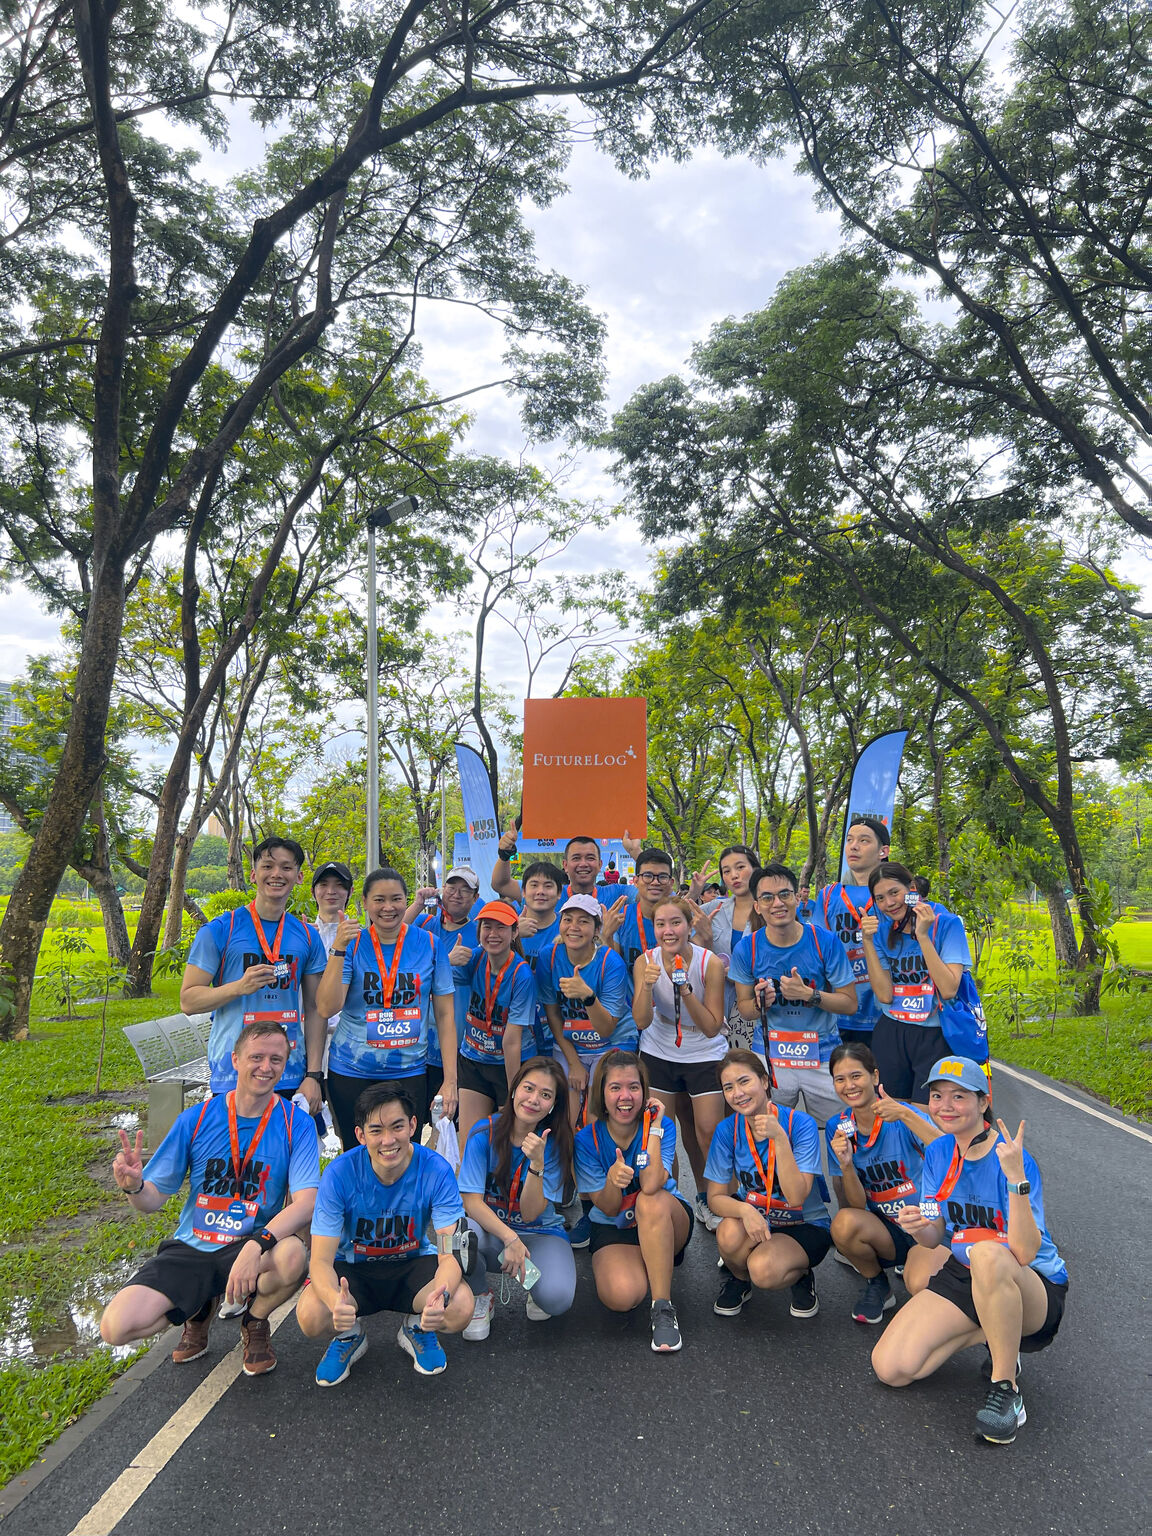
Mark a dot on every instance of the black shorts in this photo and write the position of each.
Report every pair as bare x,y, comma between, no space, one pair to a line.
814,1240
607,1237
187,1275
487,1078
858,1036
954,1283
694,1078
433,1082
905,1054
344,1091
387,1285
901,1242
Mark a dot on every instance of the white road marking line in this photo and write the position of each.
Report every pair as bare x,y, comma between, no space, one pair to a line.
104,1516
1117,1125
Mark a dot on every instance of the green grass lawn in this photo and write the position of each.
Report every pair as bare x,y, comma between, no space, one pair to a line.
69,1240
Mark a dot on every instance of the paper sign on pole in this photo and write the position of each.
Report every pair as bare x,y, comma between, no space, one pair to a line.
585,767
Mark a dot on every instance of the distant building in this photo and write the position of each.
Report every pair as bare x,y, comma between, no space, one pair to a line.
11,717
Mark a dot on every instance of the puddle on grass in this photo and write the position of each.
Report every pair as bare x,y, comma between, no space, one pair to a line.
76,1329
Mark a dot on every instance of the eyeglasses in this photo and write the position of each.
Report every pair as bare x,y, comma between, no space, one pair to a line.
654,876
772,897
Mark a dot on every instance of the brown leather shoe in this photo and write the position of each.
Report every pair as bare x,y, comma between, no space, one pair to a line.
258,1356
194,1340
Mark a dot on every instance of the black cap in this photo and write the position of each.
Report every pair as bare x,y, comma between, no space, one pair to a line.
341,871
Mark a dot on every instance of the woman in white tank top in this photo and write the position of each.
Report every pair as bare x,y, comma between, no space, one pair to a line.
681,1045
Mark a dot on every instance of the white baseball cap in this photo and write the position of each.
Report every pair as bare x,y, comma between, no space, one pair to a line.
462,872
587,904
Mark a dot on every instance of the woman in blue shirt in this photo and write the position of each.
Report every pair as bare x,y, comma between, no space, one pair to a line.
512,1179
916,954
1004,1283
387,981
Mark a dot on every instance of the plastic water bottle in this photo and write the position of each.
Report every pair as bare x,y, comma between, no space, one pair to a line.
301,1103
436,1109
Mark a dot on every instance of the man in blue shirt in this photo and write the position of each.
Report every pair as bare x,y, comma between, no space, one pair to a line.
253,1164
795,978
370,1246
262,964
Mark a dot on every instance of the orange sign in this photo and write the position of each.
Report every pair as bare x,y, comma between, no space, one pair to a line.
585,767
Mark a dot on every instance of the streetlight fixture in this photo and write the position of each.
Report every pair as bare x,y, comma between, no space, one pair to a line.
382,517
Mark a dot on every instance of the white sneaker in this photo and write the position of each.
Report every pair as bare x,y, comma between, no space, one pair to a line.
536,1314
842,1258
705,1214
481,1324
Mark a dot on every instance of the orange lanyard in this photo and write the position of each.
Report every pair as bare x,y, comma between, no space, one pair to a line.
239,1168
955,1166
388,978
271,955
491,991
877,1125
851,905
767,1175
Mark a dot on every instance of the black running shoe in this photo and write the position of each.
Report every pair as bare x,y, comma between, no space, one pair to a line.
805,1302
874,1300
1002,1413
733,1294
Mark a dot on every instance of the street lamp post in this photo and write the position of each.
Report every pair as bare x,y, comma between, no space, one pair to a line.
382,517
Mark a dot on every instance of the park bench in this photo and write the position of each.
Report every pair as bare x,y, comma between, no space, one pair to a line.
174,1055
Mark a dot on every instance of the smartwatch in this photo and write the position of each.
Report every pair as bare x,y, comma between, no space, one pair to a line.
1023,1188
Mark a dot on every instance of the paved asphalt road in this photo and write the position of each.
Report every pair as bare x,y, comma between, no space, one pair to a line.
762,1422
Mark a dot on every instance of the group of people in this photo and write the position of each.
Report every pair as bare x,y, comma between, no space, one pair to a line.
582,1034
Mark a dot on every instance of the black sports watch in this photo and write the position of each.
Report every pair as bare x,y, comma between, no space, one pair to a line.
264,1239
588,1001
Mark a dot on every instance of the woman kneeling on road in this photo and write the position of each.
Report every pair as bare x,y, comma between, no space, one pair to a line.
1004,1283
641,1224
512,1179
878,1144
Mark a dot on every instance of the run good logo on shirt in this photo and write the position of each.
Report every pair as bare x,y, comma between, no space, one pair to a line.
397,1024
887,1185
971,1222
385,1237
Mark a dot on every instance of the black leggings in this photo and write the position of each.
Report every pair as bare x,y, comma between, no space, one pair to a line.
343,1093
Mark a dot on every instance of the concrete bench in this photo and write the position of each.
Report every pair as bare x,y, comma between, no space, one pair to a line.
174,1055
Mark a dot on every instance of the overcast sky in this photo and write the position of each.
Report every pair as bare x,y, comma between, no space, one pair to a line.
660,260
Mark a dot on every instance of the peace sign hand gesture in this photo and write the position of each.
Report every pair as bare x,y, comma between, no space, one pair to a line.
1010,1151
128,1164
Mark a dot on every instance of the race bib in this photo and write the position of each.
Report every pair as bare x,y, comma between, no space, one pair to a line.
481,1039
965,1238
794,1048
391,1029
912,1001
777,1210
891,1201
581,1033
287,1018
401,1248
218,1219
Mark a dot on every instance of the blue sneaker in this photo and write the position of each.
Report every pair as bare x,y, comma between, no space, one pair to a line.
339,1358
581,1234
428,1359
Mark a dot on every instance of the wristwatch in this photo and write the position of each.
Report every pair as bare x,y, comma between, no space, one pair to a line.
1023,1188
265,1239
587,1002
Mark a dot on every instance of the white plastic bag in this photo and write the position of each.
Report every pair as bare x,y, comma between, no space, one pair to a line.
446,1142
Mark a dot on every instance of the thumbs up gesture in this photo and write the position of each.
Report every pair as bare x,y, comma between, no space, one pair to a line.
886,1109
344,1312
794,988
621,1173
459,954
533,1148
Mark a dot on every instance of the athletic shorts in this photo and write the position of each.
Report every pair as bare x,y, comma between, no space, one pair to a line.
814,1240
856,1036
187,1275
607,1237
905,1054
344,1091
695,1078
487,1078
386,1285
901,1242
954,1283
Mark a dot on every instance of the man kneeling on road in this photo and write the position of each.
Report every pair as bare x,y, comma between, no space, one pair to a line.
370,1248
243,1151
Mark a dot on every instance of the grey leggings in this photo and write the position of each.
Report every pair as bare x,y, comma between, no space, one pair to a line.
555,1290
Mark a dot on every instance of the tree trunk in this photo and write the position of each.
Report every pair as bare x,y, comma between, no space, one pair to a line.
1063,931
174,912
81,764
